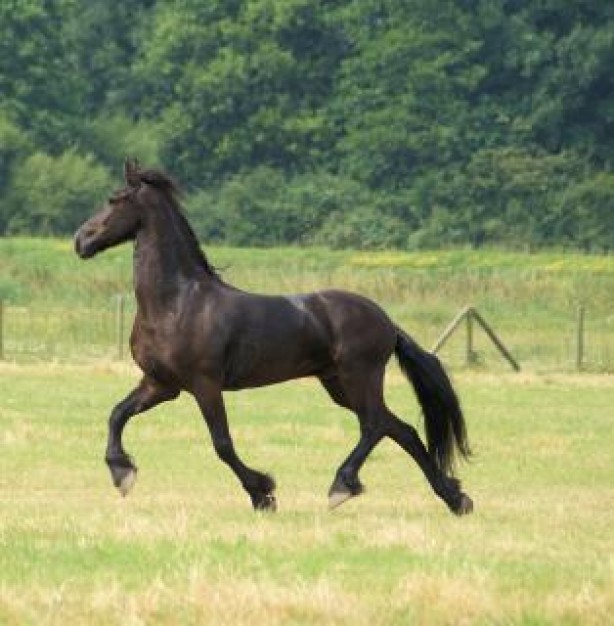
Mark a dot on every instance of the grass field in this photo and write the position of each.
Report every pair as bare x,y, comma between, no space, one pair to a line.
60,308
185,548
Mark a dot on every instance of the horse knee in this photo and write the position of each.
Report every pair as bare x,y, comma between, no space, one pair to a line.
119,416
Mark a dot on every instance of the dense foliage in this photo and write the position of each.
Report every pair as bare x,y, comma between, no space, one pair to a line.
346,122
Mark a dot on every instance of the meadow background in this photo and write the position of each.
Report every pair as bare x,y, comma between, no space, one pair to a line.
59,308
185,547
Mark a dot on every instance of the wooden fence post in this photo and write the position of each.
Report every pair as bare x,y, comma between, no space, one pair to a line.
580,338
447,333
469,314
1,330
493,337
119,320
470,356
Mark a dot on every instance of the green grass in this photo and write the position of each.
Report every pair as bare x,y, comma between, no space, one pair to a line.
47,271
185,547
58,307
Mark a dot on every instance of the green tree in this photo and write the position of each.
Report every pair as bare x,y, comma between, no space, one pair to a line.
14,147
41,89
585,215
241,85
104,38
53,195
405,90
350,122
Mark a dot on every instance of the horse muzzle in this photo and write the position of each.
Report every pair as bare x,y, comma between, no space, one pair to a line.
85,245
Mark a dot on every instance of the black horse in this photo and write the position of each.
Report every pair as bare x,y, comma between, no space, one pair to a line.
194,332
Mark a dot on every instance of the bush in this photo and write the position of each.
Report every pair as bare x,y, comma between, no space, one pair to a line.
53,195
206,215
14,145
113,138
586,214
264,208
363,229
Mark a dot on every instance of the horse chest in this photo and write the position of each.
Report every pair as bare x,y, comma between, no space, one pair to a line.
156,350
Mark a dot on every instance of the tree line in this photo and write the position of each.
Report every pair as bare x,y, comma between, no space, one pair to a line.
349,123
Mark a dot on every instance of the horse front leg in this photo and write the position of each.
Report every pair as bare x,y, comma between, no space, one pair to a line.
259,486
148,394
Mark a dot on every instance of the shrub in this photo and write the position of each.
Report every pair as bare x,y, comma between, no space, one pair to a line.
53,195
263,207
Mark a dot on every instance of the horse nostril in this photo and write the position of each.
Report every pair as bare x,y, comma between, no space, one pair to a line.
81,242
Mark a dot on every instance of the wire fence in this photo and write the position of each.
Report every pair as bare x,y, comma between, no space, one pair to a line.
575,339
76,334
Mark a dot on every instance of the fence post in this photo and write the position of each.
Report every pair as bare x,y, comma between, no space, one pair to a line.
1,330
470,315
580,337
447,333
119,320
470,356
493,337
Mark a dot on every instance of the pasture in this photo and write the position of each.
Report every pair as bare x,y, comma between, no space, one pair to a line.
59,308
185,547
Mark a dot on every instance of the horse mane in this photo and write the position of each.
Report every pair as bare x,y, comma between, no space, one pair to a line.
160,180
172,191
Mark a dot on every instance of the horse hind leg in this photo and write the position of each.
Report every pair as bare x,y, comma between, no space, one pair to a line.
365,398
447,488
347,484
362,400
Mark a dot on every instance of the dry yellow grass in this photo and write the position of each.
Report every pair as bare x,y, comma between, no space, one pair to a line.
184,548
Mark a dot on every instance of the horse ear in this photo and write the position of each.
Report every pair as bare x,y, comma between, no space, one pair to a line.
131,172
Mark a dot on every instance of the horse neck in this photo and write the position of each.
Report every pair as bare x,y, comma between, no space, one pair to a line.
166,259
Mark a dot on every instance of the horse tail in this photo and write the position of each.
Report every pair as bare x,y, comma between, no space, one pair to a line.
443,417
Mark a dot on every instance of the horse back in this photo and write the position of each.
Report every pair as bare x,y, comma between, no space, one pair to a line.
357,327
276,338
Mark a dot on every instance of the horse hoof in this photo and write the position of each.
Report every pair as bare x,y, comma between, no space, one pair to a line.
341,491
266,503
465,505
127,482
337,498
123,478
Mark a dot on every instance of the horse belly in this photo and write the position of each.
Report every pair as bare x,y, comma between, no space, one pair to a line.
257,363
